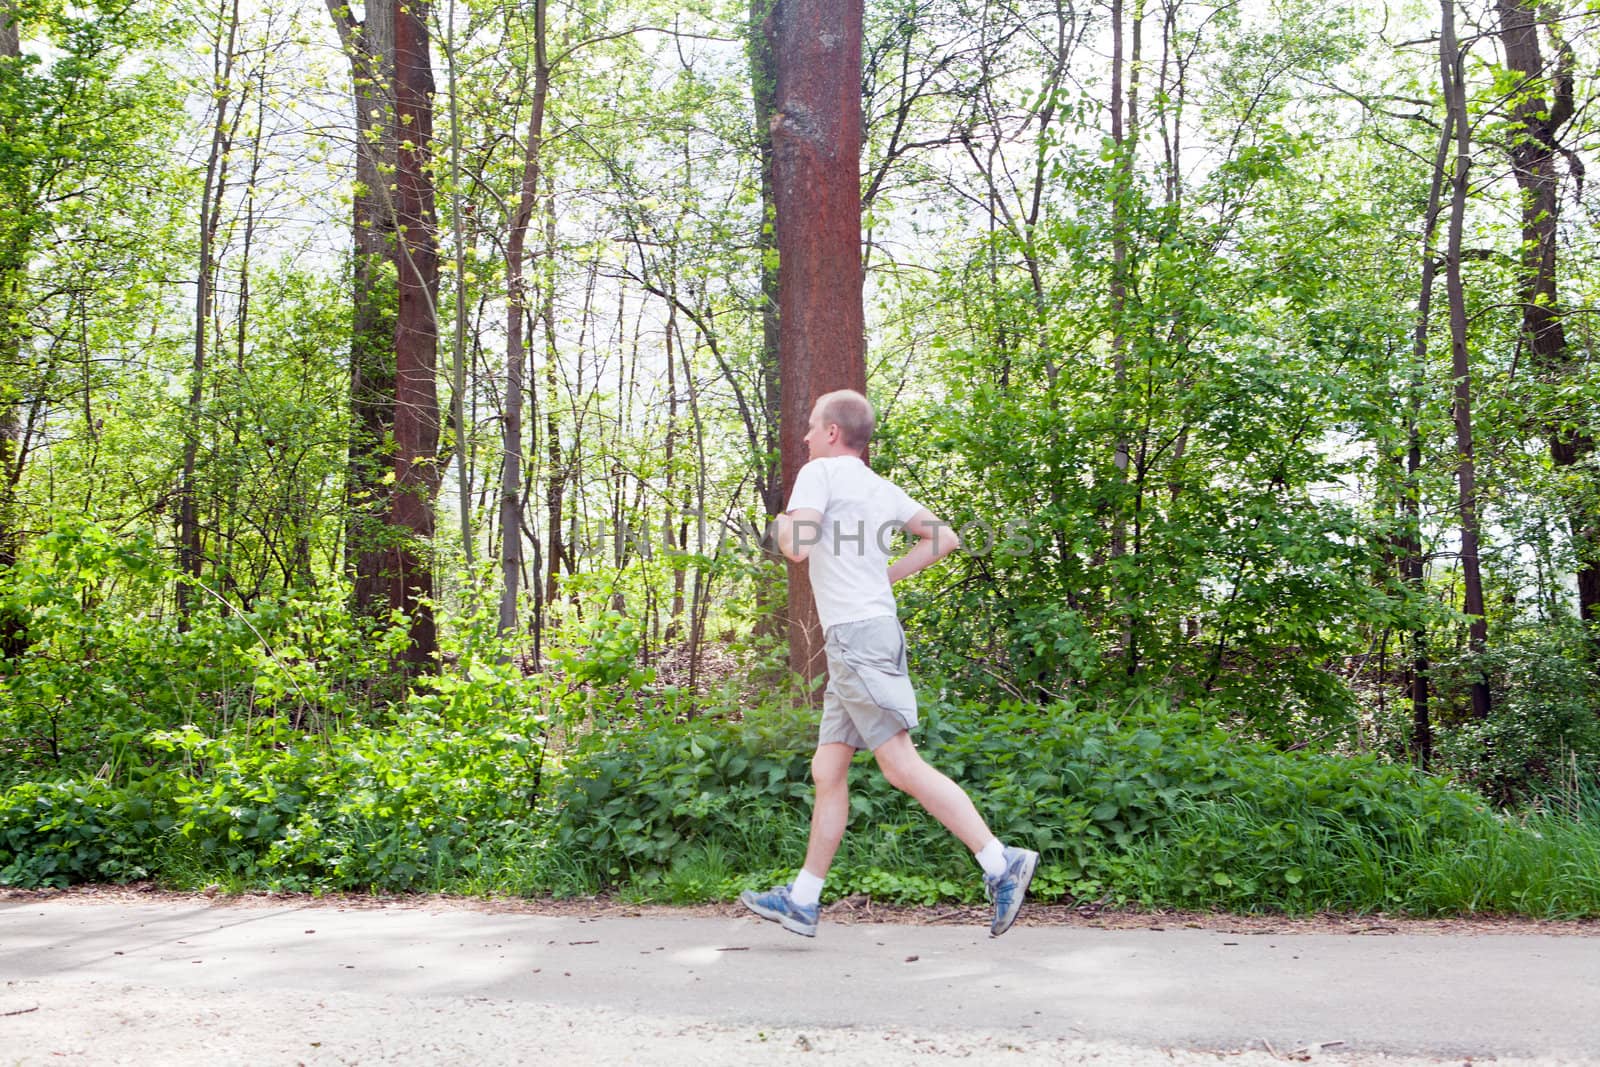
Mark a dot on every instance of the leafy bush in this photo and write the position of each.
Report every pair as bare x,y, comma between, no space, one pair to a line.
404,806
57,833
1145,805
269,777
1543,717
98,672
631,802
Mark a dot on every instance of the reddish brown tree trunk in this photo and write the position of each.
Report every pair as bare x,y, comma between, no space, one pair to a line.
416,398
816,183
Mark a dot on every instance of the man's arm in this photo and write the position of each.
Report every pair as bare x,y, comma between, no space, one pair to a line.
935,540
796,532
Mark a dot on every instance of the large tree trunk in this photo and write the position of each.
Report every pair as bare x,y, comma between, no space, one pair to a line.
1452,63
369,47
416,397
1535,142
517,317
816,183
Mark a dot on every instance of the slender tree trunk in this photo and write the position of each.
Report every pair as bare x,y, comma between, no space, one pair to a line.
11,452
1119,260
697,600
517,308
816,143
13,274
1452,60
189,546
556,484
769,469
1125,136
227,513
1411,561
1535,142
416,400
675,614
458,345
10,447
627,387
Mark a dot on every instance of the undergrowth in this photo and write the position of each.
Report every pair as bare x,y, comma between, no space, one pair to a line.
1144,806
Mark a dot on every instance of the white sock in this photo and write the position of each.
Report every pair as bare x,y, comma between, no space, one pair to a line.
806,890
993,858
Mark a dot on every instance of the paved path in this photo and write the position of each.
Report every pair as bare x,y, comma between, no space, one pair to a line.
126,981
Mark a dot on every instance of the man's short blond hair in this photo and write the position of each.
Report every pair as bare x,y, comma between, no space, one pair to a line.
852,413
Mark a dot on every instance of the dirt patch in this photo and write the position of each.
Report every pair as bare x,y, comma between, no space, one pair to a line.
848,911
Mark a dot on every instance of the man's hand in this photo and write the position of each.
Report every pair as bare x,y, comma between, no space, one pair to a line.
935,540
796,532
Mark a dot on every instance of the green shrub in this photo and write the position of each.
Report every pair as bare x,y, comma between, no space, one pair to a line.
1543,717
403,806
58,833
409,805
99,673
630,802
457,788
1146,805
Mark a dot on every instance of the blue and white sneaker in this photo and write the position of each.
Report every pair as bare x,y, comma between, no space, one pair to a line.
776,904
1008,890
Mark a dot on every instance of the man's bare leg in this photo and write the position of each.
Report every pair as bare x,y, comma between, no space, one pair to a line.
830,810
795,906
945,800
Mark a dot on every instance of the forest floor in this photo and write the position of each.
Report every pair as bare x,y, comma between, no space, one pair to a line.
135,975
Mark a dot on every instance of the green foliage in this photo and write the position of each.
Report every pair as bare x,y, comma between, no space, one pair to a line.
100,669
1140,805
1175,407
632,802
387,808
1145,806
87,649
1206,561
432,795
60,832
1543,731
601,669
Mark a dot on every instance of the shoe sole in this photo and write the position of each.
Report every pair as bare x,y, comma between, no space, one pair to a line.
783,919
1024,878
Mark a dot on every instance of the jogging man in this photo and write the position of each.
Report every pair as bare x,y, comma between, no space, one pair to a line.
840,520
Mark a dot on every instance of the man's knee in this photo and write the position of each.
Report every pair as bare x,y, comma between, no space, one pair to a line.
830,766
901,766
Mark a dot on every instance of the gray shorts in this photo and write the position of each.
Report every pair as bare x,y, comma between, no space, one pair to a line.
869,697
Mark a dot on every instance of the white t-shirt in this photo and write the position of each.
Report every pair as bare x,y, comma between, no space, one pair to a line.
850,555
